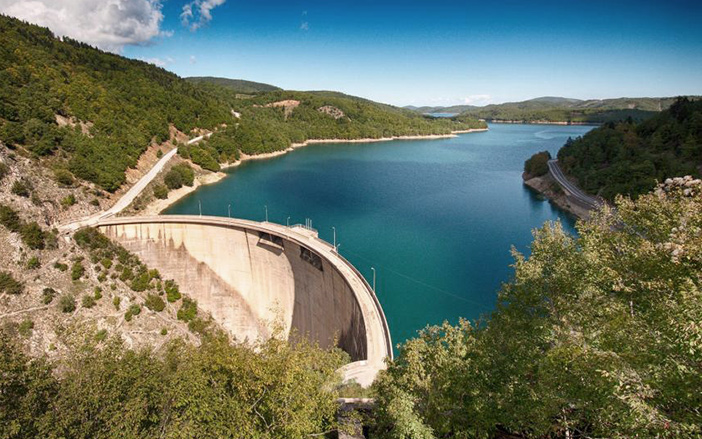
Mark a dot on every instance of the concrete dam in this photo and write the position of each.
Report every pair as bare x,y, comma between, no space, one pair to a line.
251,276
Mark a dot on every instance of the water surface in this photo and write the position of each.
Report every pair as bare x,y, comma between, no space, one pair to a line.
436,218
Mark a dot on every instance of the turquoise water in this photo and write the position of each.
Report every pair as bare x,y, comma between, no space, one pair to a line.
436,218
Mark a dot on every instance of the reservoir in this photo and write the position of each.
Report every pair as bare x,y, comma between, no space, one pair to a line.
435,218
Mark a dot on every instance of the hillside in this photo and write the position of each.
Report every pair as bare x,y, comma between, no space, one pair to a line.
629,157
272,121
237,85
91,112
559,109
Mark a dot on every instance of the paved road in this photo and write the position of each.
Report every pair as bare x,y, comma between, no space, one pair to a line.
129,196
570,188
378,341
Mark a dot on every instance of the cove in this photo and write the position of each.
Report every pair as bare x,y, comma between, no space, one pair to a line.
435,218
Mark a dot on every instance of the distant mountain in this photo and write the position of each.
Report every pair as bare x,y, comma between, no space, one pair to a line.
238,85
560,109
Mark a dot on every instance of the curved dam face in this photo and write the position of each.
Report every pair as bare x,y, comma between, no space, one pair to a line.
253,276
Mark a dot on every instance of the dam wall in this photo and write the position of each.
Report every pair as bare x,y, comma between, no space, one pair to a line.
253,277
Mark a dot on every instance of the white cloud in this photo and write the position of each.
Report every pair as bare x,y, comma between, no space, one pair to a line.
197,13
107,24
477,100
158,61
193,60
304,26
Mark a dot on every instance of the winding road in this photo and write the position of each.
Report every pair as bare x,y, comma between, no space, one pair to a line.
129,196
571,189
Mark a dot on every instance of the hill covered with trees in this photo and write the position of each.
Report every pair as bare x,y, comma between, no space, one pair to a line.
237,85
272,121
114,106
595,336
564,110
628,157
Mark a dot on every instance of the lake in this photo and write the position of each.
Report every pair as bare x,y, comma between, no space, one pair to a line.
435,218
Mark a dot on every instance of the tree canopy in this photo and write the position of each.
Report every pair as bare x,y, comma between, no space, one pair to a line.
628,157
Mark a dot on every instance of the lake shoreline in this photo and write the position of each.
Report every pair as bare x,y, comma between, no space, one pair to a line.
547,187
157,206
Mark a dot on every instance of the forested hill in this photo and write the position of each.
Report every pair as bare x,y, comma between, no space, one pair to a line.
558,109
124,104
273,121
237,85
628,157
94,113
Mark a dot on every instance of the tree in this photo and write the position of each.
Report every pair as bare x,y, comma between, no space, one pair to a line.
595,336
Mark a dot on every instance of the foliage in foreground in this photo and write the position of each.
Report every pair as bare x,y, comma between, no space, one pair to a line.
217,390
596,336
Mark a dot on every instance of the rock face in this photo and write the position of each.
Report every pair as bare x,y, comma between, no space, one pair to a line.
331,111
550,189
689,186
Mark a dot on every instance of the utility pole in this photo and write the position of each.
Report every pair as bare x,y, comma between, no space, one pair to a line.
287,222
373,278
334,229
229,210
266,207
199,206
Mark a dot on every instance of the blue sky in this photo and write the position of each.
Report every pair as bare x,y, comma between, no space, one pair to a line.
429,52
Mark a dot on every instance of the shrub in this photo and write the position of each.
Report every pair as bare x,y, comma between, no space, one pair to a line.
64,177
537,165
60,266
160,192
116,301
164,331
159,154
4,170
101,335
33,263
22,188
172,291
77,271
88,301
10,219
98,293
25,328
155,303
32,235
106,262
92,239
67,303
69,200
188,310
133,310
179,176
198,325
95,202
9,285
47,295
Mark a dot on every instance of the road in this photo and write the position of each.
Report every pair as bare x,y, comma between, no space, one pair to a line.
571,189
130,195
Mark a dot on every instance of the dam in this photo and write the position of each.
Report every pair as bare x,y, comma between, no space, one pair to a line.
254,276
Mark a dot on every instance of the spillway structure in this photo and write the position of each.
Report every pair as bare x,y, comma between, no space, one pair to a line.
251,276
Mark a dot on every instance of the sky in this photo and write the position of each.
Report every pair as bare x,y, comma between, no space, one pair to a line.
427,52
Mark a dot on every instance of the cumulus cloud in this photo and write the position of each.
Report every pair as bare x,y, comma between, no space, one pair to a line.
304,26
107,24
197,13
477,100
